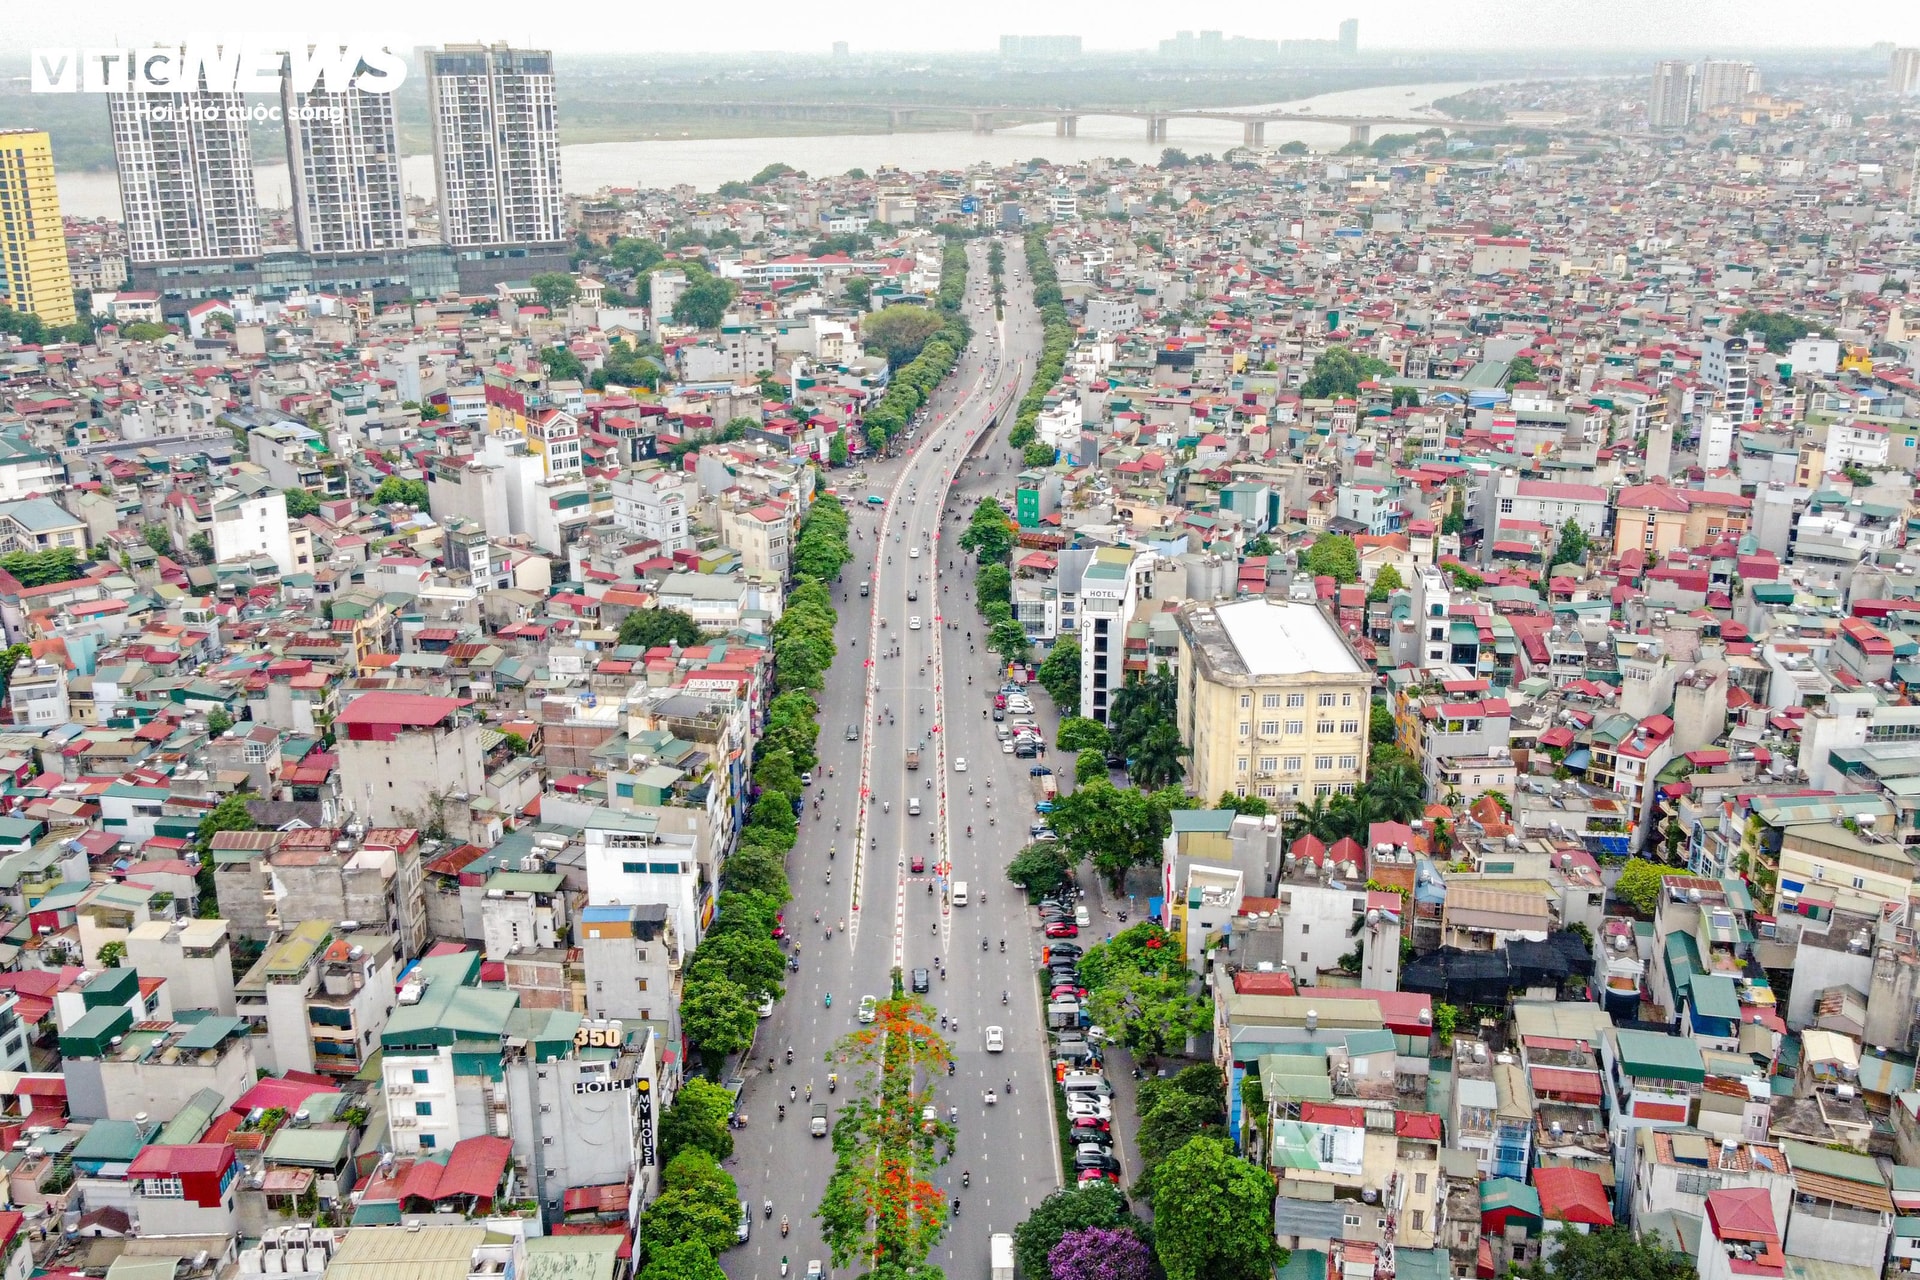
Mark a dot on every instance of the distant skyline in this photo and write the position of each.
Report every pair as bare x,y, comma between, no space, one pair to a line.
764,26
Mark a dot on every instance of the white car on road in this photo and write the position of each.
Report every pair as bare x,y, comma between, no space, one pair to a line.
996,1040
913,553
913,623
960,764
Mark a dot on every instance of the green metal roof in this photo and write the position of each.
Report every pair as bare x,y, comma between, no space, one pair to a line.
1505,1193
1833,1164
313,1148
1660,1057
1714,997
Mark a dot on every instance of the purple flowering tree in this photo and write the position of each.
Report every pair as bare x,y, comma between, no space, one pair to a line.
1100,1253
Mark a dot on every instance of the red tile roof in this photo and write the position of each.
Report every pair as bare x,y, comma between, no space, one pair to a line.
1573,1195
473,1168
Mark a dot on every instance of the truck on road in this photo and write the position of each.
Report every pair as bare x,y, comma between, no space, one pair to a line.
1000,1255
913,758
817,1126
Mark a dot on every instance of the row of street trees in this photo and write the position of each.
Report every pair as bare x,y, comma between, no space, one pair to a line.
1056,336
738,964
912,384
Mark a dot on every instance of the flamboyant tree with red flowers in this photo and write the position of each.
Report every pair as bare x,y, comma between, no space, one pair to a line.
881,1206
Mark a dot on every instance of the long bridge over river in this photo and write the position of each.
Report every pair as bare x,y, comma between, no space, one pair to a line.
1066,120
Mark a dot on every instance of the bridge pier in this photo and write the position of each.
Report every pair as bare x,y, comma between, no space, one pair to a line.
982,121
1253,133
1156,128
897,117
1066,126
1359,133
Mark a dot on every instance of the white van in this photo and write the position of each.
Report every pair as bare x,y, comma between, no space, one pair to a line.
1086,1082
959,893
913,807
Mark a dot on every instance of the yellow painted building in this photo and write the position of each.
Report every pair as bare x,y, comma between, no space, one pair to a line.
1273,701
33,244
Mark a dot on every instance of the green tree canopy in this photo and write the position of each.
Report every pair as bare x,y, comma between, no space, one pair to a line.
704,302
1059,675
1039,454
1213,1214
557,289
754,960
301,502
1522,369
1639,885
758,868
697,1117
562,365
1089,765
1009,640
1117,828
1039,868
56,564
1176,1118
1080,732
688,1260
1572,546
634,253
989,534
1338,372
858,289
650,627
1608,1253
1151,1015
1333,555
1093,1204
698,1202
776,772
1385,583
718,1017
1775,328
994,582
412,493
901,331
1253,806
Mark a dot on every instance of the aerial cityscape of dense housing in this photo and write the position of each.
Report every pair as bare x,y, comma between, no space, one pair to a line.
1435,612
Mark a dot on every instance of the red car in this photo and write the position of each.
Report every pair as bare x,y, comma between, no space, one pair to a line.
999,702
1063,929
1068,993
1094,1175
919,862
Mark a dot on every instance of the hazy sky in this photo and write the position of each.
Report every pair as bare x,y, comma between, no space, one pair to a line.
808,26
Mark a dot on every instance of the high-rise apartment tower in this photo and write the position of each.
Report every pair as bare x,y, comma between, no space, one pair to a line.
343,158
1670,103
1903,72
496,152
186,175
33,245
1726,84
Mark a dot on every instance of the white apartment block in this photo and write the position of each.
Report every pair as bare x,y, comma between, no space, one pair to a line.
656,504
343,160
245,527
186,175
495,147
